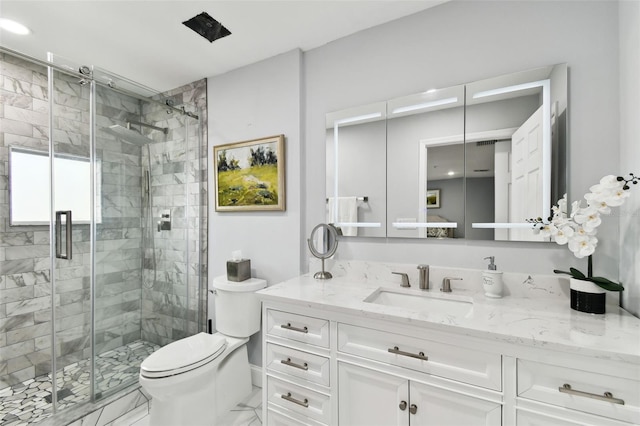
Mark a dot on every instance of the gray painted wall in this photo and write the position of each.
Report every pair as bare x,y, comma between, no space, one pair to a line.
256,101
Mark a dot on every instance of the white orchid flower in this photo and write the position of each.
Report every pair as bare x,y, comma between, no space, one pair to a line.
579,228
548,230
564,234
606,183
582,245
596,201
616,197
589,218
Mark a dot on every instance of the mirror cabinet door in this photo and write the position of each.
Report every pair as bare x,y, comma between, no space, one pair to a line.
425,165
356,179
514,148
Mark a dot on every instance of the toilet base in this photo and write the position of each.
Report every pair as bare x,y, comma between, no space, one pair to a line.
213,393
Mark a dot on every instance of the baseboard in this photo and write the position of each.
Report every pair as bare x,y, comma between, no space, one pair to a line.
256,375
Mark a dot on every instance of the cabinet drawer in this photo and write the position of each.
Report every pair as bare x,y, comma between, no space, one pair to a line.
298,327
580,390
453,362
309,367
278,416
526,418
300,400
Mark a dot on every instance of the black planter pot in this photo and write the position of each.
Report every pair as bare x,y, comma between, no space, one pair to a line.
587,297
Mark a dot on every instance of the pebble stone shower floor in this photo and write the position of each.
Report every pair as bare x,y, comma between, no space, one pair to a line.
30,401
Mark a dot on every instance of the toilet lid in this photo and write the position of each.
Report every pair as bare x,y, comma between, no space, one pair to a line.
183,355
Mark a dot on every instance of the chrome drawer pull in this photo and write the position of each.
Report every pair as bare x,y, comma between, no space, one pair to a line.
288,362
608,396
413,409
288,326
419,355
289,398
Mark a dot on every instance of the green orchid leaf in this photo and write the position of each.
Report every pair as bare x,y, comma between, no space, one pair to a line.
577,274
558,271
606,284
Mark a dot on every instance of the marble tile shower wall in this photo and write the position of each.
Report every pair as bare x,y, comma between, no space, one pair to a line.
25,284
178,184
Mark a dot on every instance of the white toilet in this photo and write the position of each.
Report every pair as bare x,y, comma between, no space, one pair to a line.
198,379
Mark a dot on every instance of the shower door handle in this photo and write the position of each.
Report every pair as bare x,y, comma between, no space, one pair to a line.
69,242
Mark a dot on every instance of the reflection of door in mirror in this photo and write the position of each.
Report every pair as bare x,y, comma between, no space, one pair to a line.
515,118
425,156
356,185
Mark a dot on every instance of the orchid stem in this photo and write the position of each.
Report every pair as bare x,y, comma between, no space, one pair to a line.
589,267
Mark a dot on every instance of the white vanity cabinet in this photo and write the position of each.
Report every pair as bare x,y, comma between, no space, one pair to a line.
333,371
331,359
370,397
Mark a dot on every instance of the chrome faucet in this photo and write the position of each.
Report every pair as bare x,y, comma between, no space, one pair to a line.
446,284
405,279
424,277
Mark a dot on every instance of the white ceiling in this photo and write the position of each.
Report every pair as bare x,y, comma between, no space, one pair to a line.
146,42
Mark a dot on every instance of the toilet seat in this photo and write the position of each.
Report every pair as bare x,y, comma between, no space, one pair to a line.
183,355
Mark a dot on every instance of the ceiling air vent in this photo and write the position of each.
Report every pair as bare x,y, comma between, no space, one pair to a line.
207,27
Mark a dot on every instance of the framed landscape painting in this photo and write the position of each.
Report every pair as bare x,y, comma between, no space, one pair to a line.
249,175
433,198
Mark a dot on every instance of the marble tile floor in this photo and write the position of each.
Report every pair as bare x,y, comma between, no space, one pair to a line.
30,402
246,413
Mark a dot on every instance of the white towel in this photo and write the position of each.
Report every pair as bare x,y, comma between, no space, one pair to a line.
347,212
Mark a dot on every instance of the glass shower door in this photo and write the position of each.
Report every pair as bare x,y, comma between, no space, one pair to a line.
118,191
70,160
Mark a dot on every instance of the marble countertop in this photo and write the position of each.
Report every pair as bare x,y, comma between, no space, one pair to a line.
539,322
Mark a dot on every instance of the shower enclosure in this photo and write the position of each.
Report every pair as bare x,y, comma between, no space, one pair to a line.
102,257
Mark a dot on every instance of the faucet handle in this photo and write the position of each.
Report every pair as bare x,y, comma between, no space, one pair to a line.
446,284
405,279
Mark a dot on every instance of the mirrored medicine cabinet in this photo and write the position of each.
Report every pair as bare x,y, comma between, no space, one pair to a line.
473,161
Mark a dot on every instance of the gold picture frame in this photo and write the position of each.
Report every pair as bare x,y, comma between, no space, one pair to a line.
249,175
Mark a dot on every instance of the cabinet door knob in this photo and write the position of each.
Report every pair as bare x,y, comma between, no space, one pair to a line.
413,409
403,405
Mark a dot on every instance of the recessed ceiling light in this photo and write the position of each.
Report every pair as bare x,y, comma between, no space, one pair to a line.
451,173
13,26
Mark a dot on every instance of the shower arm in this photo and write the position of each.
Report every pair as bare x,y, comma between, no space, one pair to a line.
164,130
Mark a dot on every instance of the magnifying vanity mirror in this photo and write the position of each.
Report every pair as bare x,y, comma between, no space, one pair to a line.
471,161
323,244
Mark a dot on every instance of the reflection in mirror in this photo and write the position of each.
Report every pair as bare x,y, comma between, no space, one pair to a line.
425,165
356,184
516,142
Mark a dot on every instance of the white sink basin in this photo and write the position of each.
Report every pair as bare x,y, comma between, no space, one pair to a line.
418,300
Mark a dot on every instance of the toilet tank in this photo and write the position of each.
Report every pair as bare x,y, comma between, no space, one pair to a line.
238,310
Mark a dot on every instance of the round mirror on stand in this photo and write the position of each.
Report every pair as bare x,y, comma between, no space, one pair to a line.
323,244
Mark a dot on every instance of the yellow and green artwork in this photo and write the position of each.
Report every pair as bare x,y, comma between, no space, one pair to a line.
250,175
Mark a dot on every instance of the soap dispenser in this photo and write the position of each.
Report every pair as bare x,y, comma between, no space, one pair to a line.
492,280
